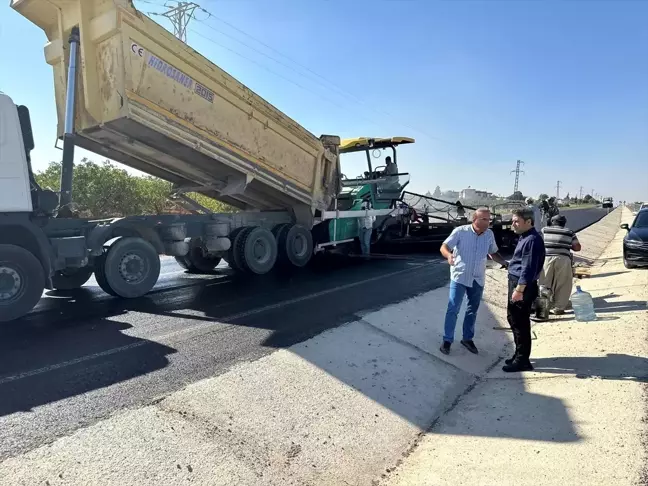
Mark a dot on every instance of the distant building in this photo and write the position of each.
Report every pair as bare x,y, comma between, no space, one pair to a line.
484,195
450,195
468,194
471,194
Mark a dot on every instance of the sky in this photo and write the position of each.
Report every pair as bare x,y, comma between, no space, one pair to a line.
561,85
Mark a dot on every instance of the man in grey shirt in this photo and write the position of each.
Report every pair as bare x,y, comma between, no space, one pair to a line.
557,273
467,250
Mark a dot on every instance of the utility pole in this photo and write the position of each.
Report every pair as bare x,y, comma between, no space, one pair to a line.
581,193
558,189
517,171
180,15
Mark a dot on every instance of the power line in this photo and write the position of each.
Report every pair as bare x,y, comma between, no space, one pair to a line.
517,171
180,27
331,84
180,17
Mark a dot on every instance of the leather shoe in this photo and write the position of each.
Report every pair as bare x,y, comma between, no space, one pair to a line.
470,346
517,366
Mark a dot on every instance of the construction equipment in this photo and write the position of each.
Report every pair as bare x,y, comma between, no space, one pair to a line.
128,90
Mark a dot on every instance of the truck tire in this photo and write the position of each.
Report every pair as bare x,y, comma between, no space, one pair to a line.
279,232
257,250
71,279
182,261
22,281
100,274
195,261
234,258
295,244
129,268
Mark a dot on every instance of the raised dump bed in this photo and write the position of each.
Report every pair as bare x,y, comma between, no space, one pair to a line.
151,102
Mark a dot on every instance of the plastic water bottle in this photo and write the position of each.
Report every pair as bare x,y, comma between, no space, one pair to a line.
583,305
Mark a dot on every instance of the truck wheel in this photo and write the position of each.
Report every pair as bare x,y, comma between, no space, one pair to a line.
257,249
71,279
182,261
22,281
129,269
234,258
195,261
295,244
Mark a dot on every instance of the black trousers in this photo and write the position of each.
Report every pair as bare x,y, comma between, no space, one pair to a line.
518,315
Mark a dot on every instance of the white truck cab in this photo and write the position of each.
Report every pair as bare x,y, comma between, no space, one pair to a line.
15,190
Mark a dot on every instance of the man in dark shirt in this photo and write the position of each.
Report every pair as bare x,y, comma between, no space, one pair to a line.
523,273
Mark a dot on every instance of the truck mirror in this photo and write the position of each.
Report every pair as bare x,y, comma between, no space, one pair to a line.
26,128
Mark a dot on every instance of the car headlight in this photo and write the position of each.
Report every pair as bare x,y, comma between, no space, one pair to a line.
634,243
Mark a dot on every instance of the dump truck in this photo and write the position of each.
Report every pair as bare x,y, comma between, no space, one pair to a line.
126,89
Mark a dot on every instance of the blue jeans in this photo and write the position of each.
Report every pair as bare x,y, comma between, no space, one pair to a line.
365,240
457,292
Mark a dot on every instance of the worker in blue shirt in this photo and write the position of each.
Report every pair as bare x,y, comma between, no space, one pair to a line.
467,250
523,272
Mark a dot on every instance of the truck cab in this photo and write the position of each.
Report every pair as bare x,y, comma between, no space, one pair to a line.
25,251
16,144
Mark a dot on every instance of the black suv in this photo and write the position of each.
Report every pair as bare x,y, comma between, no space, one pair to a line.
635,243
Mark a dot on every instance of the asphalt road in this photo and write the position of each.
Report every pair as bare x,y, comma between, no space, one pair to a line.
579,219
81,356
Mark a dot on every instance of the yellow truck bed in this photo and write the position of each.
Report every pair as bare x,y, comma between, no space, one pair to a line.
151,102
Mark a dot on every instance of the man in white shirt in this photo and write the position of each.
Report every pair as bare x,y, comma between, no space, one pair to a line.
467,249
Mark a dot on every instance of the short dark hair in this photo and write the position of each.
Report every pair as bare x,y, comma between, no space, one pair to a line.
524,213
559,220
388,159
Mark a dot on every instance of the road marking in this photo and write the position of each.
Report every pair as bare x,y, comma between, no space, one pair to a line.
224,320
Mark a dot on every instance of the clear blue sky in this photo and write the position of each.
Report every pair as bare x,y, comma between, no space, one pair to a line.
562,85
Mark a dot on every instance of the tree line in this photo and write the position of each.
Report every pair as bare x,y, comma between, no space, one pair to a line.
103,190
587,199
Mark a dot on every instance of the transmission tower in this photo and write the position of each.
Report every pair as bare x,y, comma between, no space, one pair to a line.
180,15
558,189
517,171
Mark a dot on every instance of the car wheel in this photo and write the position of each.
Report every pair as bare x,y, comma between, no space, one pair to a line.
628,264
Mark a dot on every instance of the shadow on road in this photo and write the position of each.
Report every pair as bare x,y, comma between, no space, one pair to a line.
608,274
505,409
88,344
73,362
610,367
602,304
